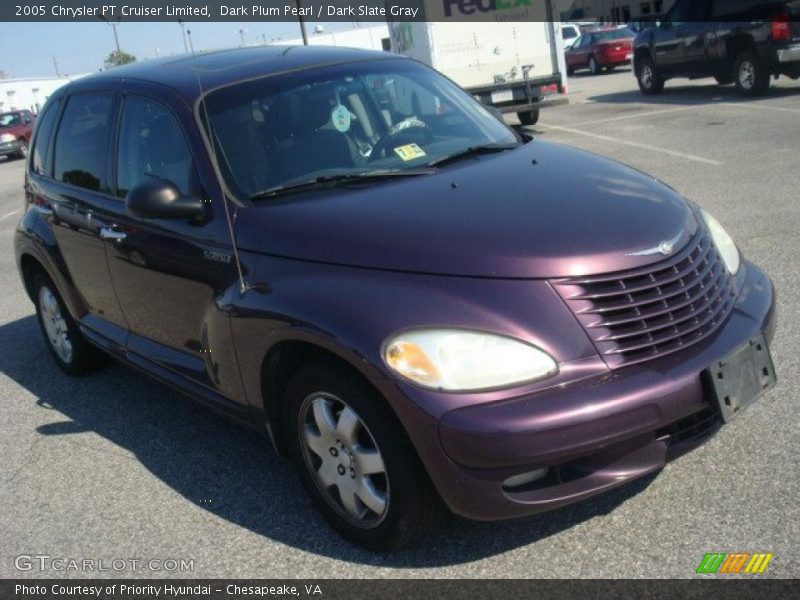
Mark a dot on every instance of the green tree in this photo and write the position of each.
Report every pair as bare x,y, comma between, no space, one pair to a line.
119,57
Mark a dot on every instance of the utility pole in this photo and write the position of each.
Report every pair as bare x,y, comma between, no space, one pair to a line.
114,29
302,20
183,33
241,35
191,45
55,64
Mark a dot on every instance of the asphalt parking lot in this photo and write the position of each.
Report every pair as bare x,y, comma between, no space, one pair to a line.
117,466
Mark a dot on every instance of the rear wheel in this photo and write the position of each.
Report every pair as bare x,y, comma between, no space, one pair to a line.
529,118
355,461
752,74
650,82
72,353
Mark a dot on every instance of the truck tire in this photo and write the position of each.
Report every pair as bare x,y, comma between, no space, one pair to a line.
529,118
650,82
752,74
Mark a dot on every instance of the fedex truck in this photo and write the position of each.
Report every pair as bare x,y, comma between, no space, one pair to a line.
503,57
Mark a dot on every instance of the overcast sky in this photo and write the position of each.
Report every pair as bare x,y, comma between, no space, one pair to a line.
27,49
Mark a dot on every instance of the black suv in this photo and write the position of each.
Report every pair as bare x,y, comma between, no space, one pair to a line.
741,41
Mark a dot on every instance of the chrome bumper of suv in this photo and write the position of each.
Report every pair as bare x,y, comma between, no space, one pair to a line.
789,54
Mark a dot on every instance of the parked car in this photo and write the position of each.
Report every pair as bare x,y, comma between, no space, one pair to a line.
16,128
745,42
601,49
347,252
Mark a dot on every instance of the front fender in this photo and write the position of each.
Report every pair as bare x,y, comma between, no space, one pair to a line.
350,312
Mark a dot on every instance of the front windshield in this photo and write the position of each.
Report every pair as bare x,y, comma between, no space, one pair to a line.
10,120
383,116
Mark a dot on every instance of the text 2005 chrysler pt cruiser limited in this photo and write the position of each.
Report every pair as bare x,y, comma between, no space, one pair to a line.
343,249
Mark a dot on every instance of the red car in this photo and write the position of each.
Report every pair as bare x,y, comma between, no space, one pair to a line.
16,128
599,49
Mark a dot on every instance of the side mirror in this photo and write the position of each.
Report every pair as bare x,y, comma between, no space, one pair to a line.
160,199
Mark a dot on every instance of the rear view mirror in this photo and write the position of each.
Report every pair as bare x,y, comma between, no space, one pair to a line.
160,199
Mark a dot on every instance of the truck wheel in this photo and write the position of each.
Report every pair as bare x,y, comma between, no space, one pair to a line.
650,82
594,67
752,74
355,461
529,118
72,353
22,151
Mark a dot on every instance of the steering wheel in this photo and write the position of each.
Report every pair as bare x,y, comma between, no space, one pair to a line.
407,127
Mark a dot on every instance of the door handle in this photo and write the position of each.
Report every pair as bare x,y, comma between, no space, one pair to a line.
109,233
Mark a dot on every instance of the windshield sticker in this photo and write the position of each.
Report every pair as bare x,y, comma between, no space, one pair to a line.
409,152
340,117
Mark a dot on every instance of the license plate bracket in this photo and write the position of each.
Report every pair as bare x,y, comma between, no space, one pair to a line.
742,376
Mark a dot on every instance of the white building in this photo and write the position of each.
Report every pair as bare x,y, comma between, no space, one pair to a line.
29,92
367,38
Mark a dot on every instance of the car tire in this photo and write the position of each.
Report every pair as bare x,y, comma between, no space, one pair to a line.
72,353
752,74
22,152
570,70
594,66
530,117
355,460
650,82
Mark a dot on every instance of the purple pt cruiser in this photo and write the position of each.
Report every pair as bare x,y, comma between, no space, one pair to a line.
419,305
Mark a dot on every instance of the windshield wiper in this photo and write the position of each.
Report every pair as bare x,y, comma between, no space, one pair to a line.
328,180
473,151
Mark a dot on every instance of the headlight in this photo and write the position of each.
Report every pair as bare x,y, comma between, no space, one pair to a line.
7,137
724,243
460,360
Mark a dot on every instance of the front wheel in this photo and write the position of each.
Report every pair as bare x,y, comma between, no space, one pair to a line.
22,151
650,82
752,74
355,461
529,118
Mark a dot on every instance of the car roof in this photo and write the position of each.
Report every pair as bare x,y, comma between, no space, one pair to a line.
223,67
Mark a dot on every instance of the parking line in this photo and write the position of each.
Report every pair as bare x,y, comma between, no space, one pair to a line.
10,214
608,138
639,115
758,105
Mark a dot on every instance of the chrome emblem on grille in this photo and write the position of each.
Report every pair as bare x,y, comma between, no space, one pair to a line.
666,247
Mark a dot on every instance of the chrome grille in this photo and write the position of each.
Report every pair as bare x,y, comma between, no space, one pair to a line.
638,315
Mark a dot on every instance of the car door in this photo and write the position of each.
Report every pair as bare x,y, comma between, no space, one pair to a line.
697,34
170,275
75,194
668,39
580,52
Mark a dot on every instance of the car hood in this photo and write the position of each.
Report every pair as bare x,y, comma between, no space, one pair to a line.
541,210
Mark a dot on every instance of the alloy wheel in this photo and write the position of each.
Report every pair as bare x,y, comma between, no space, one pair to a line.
646,76
747,74
55,325
343,459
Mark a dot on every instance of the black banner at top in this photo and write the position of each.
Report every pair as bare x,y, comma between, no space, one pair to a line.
397,10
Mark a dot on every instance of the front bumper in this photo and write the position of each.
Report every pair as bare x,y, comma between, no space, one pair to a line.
7,148
594,434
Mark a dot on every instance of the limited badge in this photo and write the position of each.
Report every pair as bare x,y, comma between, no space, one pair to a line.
340,117
409,152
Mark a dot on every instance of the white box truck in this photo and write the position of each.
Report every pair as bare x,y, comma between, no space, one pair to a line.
513,66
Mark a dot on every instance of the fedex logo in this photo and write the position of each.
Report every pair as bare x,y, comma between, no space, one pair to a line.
469,7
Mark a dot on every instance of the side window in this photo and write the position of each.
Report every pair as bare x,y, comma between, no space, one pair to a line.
82,139
41,141
151,144
679,13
